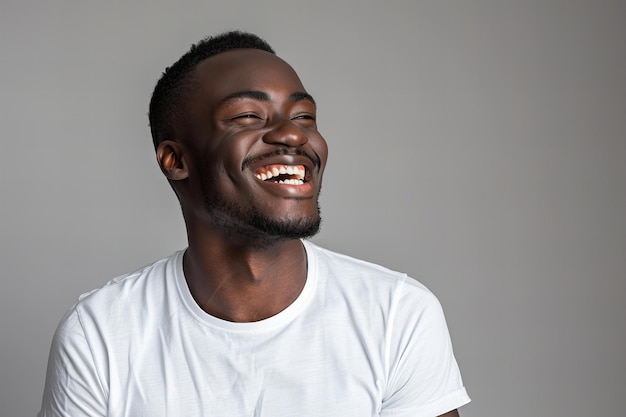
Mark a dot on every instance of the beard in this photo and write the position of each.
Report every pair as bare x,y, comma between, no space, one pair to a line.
248,225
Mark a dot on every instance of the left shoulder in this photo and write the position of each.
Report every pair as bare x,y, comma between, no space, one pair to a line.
357,272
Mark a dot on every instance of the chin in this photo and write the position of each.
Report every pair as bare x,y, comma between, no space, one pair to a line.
254,228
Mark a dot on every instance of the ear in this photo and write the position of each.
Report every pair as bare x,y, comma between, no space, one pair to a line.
170,157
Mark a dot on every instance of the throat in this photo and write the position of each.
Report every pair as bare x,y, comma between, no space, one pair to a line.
250,289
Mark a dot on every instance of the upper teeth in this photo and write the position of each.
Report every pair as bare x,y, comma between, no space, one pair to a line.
271,171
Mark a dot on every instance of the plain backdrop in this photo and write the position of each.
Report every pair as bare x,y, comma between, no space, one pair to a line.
478,145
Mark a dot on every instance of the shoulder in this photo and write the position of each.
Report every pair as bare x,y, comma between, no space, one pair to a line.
401,302
149,280
115,313
347,270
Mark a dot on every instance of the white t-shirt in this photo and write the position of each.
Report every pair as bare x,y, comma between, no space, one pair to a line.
360,340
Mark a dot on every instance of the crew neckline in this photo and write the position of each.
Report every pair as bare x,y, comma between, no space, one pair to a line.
278,320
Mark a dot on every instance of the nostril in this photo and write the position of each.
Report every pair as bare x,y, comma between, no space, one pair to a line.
287,133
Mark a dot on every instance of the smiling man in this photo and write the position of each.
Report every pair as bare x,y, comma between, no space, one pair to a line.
249,319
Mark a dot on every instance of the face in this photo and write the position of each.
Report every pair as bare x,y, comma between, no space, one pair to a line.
254,153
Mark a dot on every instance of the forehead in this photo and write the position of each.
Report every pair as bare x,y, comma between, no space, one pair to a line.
246,69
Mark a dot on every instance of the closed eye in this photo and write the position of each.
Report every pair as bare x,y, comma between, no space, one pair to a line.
304,117
246,119
246,116
305,120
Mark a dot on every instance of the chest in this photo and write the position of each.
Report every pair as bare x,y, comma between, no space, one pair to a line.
308,369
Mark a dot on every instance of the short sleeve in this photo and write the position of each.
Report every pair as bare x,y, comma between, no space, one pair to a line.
72,385
423,375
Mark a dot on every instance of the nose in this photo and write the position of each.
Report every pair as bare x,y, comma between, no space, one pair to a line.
286,132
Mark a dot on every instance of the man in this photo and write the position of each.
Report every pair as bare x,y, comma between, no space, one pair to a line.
249,320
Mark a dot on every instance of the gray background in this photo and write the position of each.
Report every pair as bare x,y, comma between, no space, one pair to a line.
478,145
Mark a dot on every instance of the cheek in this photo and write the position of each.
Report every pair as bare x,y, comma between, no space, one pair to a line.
226,163
321,148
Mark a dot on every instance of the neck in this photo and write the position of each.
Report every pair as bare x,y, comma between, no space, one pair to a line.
242,283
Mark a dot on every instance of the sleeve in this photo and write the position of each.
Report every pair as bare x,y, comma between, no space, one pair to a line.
72,386
423,376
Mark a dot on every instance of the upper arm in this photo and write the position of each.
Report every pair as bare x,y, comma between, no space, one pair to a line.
424,378
72,384
453,413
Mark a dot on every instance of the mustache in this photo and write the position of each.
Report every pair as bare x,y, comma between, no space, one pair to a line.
279,152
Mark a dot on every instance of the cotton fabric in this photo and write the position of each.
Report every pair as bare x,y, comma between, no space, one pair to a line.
360,340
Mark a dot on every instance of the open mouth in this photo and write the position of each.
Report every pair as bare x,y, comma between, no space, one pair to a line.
282,174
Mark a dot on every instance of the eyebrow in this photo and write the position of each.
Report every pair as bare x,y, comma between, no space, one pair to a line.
301,96
263,96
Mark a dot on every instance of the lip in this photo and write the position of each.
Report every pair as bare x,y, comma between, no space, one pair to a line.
283,158
302,191
310,166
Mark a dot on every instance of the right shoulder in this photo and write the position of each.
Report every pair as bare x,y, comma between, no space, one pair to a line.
101,327
125,296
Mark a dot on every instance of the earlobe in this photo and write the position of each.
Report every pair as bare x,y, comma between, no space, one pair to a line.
171,160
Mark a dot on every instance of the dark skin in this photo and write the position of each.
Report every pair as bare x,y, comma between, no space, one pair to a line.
250,276
247,111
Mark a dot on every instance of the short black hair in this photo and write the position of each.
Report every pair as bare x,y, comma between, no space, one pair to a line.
175,82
